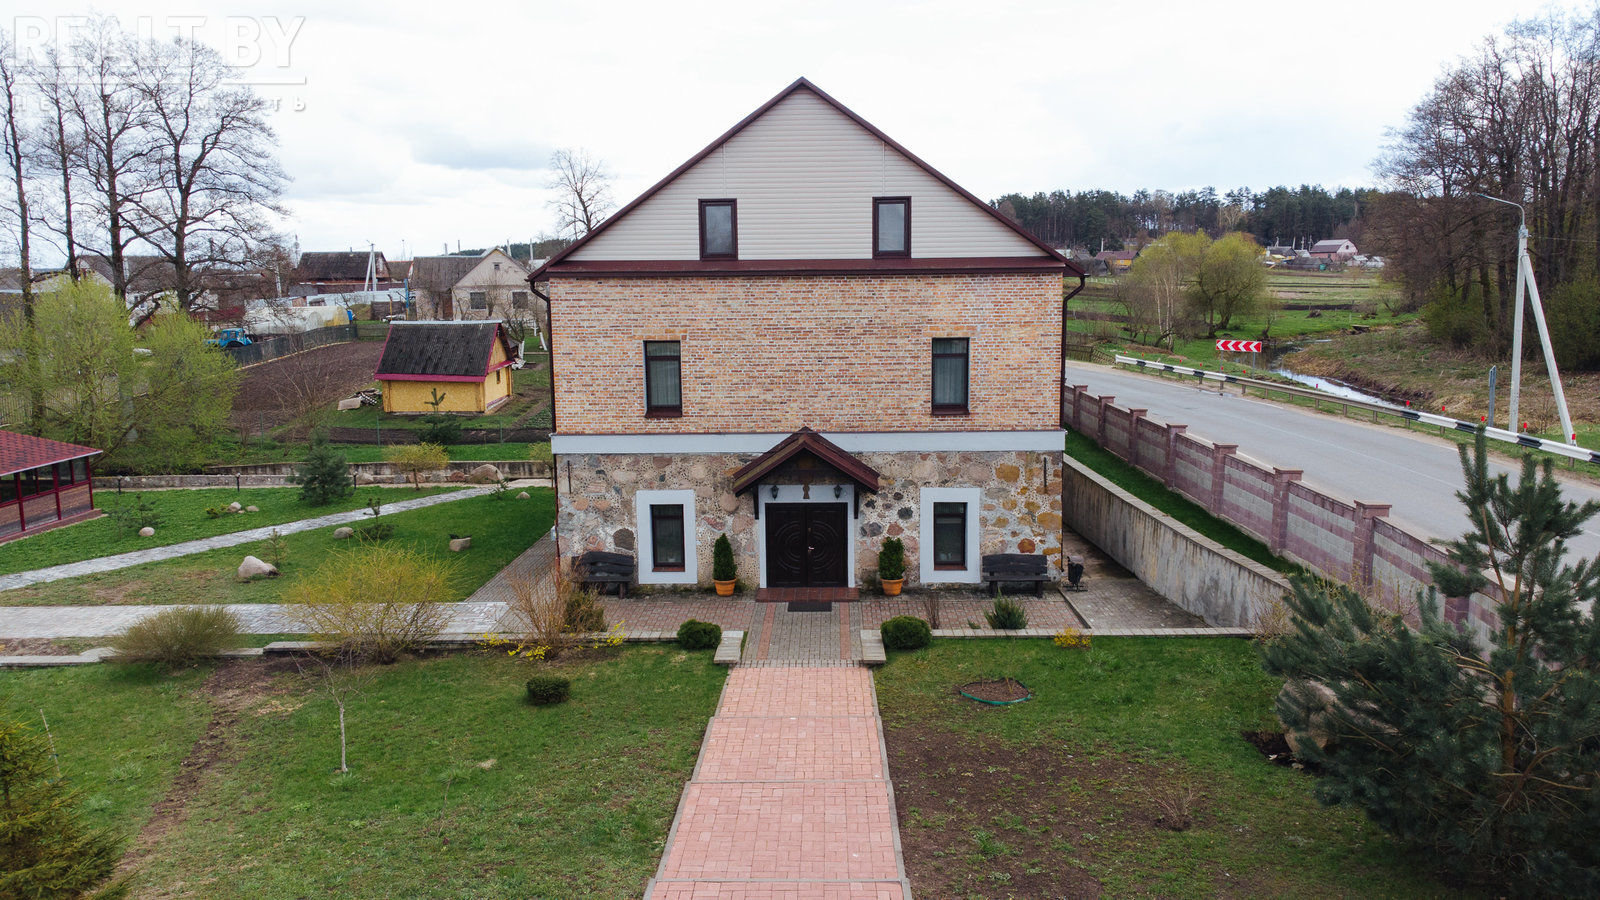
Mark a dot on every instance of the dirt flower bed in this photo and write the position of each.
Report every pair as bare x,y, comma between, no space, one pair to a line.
998,690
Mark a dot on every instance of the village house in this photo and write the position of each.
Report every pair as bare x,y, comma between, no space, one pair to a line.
465,366
340,272
1340,250
43,483
491,285
809,339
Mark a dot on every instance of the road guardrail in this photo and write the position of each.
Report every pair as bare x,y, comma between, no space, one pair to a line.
1442,421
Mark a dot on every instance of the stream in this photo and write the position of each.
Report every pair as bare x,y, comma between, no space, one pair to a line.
1326,385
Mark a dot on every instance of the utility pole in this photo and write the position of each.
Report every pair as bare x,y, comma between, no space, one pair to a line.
1527,282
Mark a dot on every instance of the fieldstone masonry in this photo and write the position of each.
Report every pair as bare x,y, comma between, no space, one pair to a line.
1020,510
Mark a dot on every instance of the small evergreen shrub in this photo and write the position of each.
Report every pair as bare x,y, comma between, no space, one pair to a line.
722,564
133,513
324,476
697,635
48,848
178,637
439,429
905,633
892,560
375,531
1007,615
544,690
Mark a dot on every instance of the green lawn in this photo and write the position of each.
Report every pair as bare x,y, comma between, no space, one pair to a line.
500,529
457,789
263,452
1136,482
183,518
1069,781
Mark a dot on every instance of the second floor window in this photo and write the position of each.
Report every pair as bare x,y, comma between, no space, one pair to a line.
949,376
891,226
663,378
719,229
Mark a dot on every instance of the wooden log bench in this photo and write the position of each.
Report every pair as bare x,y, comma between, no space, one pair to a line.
604,569
1015,568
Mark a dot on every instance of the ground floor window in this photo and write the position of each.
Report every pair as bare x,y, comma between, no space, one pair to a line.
947,552
664,523
666,537
949,535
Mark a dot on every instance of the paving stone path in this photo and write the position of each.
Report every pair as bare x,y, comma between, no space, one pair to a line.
173,551
791,798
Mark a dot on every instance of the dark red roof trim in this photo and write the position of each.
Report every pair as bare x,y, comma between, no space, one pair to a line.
631,268
20,452
539,274
805,441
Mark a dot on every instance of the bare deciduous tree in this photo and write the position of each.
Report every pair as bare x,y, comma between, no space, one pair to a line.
583,191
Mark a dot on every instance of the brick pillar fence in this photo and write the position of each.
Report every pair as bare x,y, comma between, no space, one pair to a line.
1219,474
1367,516
1100,435
1169,471
1281,479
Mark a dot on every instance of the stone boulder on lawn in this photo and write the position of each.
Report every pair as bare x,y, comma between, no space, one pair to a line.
253,568
147,531
484,474
343,533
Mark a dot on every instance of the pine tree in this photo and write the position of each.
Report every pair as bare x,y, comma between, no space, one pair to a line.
324,476
1487,756
46,850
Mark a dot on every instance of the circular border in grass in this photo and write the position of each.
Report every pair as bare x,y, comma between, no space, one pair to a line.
1027,692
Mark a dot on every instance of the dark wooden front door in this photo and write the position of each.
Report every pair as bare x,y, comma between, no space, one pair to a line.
806,544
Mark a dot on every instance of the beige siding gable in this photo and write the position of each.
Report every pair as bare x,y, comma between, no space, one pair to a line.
804,175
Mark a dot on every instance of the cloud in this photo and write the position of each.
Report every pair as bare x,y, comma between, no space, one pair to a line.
474,152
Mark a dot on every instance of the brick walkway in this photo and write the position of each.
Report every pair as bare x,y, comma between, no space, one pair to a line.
791,798
173,551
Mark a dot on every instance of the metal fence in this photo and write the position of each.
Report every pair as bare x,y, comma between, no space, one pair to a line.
285,344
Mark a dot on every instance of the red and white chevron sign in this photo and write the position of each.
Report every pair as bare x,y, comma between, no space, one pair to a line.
1239,346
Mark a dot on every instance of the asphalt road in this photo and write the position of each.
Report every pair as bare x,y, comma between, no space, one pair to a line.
1341,457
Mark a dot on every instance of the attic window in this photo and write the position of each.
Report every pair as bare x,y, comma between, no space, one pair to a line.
891,226
719,229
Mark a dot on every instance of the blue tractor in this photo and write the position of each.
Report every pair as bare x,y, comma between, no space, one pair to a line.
230,337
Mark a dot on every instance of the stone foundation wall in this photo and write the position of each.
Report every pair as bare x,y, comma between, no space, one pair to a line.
1020,510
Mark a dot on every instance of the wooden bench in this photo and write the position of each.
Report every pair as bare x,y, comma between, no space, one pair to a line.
605,569
1015,568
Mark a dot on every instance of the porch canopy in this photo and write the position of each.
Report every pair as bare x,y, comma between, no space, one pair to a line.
803,443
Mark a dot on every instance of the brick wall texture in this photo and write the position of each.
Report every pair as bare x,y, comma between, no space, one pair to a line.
837,353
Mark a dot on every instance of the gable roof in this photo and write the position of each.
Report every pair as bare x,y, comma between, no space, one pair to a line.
19,452
1329,246
441,350
809,442
338,266
1049,257
440,273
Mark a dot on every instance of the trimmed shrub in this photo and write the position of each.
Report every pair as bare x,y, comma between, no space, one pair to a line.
697,635
722,564
905,633
178,637
544,690
892,560
1007,615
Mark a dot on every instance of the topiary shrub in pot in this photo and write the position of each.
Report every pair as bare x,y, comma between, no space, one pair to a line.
543,690
697,635
905,633
724,572
892,566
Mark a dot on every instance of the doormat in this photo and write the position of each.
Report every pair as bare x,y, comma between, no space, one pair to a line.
810,606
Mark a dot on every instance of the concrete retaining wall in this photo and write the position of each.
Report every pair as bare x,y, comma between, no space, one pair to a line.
1191,570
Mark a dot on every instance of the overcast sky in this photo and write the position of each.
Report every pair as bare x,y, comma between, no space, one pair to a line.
433,123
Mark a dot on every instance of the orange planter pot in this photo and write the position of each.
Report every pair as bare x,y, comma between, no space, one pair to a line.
725,588
891,586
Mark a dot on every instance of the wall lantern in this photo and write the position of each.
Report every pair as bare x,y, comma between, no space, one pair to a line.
774,492
838,491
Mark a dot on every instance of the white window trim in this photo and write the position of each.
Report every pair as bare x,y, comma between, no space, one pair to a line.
820,493
971,573
642,501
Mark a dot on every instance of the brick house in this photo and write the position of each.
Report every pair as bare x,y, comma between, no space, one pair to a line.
807,338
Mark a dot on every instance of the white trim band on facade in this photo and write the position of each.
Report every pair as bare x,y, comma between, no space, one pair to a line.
1049,441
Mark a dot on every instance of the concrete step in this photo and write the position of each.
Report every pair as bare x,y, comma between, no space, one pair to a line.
729,650
872,652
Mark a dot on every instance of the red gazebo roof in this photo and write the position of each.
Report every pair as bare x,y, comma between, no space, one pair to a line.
19,452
